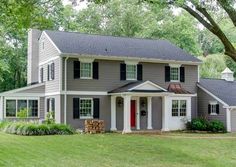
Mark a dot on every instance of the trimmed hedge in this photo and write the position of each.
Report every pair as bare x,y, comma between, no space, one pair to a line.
202,124
33,129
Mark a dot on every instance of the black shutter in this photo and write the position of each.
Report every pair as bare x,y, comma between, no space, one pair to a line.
48,71
48,105
95,70
76,108
182,74
76,69
217,109
96,108
209,109
52,71
139,72
167,73
41,75
122,71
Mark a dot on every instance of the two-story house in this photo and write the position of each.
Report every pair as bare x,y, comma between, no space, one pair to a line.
130,83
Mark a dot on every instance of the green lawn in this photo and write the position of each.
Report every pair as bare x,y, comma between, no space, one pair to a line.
168,150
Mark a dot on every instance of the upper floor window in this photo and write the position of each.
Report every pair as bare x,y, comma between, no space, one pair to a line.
213,108
174,73
51,71
131,72
179,108
85,70
41,75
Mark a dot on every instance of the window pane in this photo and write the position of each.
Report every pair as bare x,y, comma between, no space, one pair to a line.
85,108
33,108
175,107
11,108
131,72
86,70
183,107
174,74
213,108
21,104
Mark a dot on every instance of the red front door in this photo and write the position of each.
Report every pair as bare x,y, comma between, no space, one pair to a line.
133,113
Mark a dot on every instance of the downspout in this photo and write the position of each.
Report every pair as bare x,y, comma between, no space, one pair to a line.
65,89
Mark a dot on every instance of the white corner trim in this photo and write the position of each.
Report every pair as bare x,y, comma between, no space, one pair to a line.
145,83
175,65
211,94
228,120
198,73
49,60
50,41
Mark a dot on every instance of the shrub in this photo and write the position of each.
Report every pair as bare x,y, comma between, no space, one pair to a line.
216,126
22,113
202,124
33,129
50,118
199,124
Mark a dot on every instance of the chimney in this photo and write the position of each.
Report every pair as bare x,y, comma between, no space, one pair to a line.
33,56
227,75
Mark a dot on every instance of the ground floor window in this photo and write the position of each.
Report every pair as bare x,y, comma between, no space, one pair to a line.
51,105
86,108
179,108
21,108
213,108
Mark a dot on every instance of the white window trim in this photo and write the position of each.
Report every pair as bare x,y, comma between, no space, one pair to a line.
92,112
213,103
179,107
178,75
90,69
132,79
21,98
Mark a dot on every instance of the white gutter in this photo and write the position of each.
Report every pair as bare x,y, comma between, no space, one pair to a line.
65,89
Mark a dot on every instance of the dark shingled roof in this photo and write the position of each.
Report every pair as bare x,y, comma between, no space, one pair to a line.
126,87
224,90
78,43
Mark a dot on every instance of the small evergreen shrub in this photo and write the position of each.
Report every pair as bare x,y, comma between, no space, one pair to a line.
216,126
202,124
33,129
22,113
50,118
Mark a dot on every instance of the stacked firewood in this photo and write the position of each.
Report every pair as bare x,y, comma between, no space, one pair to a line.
94,126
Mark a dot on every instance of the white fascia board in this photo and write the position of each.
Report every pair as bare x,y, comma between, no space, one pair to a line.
212,95
142,94
49,60
185,95
23,95
125,58
85,92
51,41
148,82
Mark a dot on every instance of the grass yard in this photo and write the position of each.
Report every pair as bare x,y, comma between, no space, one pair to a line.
168,150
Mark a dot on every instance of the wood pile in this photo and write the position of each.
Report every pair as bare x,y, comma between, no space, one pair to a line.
94,126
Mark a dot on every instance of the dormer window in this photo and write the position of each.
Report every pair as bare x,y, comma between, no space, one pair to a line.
131,72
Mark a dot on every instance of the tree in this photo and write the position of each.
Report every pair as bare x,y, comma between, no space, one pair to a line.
205,11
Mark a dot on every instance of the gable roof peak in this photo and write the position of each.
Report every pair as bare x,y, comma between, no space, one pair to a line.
227,70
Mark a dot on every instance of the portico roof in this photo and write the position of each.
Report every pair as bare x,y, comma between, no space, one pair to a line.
139,86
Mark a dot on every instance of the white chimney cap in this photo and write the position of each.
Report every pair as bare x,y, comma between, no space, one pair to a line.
227,70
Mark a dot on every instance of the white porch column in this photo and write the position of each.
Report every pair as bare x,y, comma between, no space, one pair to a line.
165,111
137,114
127,126
113,113
149,115
1,108
228,120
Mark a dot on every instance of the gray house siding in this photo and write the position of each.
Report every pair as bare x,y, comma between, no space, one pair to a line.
233,120
109,76
203,101
49,50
